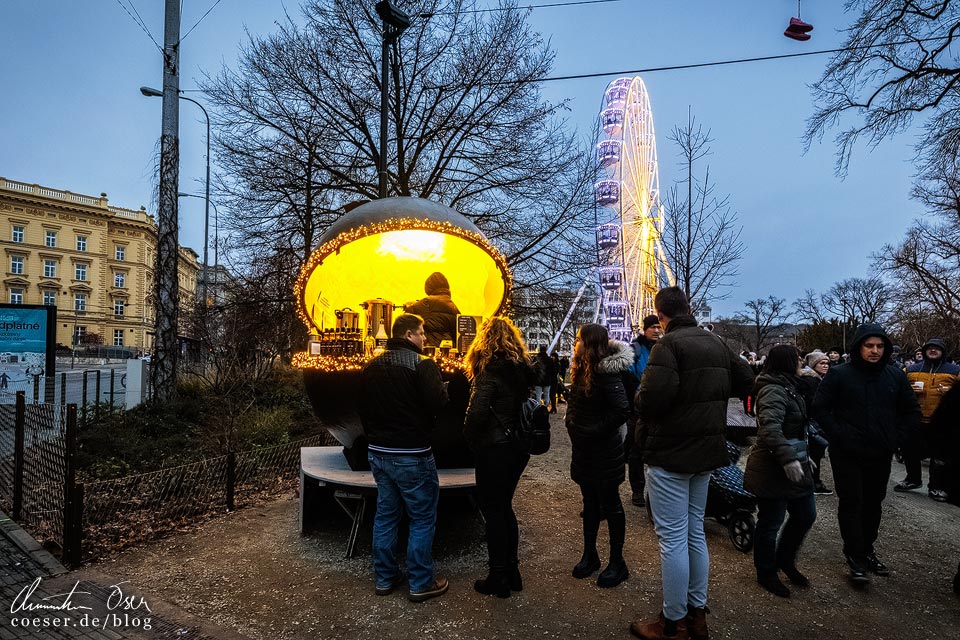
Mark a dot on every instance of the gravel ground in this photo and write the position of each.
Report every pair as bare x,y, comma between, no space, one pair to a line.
252,572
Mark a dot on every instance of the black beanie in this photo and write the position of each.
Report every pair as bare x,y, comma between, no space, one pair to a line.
649,321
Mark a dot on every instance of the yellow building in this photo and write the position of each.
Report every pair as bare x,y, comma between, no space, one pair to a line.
93,261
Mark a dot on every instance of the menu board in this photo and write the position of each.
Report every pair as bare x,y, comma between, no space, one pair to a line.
467,327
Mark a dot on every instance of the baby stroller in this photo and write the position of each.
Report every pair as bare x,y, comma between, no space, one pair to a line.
730,504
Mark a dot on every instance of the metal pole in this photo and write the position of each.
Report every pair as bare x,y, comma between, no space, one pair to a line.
384,94
166,269
206,212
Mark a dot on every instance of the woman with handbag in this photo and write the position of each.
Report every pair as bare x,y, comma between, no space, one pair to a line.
779,472
597,423
501,376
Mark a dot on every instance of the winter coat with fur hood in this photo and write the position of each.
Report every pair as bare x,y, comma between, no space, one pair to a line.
596,420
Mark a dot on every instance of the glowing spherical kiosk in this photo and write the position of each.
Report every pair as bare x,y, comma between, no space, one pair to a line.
371,263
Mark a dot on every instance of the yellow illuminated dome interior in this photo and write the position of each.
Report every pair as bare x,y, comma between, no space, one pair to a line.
387,248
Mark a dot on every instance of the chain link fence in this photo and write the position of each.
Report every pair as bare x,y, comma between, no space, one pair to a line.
125,510
38,485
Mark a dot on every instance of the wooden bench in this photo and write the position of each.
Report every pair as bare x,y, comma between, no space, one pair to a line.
325,468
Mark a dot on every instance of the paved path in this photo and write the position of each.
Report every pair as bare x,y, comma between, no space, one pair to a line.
98,607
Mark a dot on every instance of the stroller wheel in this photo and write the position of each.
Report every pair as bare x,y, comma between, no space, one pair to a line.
741,527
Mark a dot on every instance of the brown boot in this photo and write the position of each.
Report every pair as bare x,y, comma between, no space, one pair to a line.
697,623
655,629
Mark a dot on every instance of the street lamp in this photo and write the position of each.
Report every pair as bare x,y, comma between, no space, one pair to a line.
216,230
394,22
154,93
843,301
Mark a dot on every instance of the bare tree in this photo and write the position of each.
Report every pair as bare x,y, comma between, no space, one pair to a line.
761,319
898,61
924,268
298,125
809,307
701,237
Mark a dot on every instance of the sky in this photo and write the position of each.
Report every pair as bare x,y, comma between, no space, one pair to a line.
72,116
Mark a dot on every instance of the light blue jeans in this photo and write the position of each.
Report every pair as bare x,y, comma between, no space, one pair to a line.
542,394
411,483
677,502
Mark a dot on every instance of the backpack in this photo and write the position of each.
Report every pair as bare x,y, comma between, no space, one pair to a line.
533,434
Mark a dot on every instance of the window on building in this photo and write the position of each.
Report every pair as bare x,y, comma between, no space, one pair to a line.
119,279
81,243
79,302
49,268
121,253
78,333
118,307
81,272
16,296
17,234
51,239
118,337
16,265
50,298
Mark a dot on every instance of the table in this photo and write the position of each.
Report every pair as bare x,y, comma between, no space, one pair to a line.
327,468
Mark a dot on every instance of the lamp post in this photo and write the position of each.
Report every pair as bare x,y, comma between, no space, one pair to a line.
394,22
843,301
216,230
154,93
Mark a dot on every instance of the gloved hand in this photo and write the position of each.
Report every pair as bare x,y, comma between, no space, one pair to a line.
794,472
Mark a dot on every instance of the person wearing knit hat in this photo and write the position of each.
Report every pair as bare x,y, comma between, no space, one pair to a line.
438,310
817,364
930,379
642,345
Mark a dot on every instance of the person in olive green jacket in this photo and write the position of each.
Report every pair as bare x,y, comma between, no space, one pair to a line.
779,472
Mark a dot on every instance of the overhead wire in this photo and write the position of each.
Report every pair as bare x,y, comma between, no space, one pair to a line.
140,23
190,30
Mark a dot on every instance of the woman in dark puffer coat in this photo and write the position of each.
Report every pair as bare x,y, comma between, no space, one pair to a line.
596,422
501,375
779,472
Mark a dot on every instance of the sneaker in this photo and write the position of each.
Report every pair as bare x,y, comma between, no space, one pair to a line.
938,494
821,489
858,575
438,588
796,36
875,566
799,26
907,485
387,590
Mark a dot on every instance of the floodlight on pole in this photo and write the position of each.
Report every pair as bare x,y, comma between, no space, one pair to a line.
394,22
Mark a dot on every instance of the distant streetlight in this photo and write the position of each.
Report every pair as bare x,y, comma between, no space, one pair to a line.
216,228
154,93
394,22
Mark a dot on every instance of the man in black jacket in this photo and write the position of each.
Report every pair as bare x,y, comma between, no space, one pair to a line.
683,397
868,411
400,396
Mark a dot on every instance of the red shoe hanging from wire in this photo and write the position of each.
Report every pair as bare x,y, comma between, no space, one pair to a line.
798,29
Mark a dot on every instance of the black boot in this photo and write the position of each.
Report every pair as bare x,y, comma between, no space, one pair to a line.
590,561
616,572
771,582
516,580
497,583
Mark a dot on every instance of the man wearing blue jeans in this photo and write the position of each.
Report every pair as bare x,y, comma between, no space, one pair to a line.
689,377
400,396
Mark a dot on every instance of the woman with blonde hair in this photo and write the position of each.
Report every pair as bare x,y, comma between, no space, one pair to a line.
597,424
501,376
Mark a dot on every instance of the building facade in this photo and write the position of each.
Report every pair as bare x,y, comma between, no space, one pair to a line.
91,260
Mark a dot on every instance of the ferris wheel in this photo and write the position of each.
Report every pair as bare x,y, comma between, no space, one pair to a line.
631,262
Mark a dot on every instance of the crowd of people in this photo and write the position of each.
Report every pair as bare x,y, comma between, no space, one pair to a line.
654,412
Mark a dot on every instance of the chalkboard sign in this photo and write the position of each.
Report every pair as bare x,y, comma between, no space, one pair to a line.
466,331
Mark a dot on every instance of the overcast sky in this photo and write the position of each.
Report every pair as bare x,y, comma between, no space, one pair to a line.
72,116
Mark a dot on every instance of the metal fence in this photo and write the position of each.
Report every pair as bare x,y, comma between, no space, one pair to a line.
118,512
38,484
35,465
82,387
